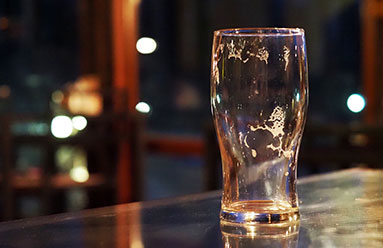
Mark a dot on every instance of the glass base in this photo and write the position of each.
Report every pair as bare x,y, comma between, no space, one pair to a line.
275,231
259,212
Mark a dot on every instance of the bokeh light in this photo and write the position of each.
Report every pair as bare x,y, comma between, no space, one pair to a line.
57,96
5,91
4,23
146,45
79,174
356,103
143,107
79,122
61,126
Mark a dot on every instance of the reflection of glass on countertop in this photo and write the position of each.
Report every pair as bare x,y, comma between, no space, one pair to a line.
260,235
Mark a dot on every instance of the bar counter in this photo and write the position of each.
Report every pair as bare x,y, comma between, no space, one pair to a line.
339,209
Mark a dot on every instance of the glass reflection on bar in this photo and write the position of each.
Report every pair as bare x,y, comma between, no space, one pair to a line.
260,235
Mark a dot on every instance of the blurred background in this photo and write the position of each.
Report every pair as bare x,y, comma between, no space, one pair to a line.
105,102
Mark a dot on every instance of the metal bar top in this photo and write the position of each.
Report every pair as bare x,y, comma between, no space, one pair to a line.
339,209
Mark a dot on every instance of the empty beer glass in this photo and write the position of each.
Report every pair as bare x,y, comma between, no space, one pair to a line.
259,97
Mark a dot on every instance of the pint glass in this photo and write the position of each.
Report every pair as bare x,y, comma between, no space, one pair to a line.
259,97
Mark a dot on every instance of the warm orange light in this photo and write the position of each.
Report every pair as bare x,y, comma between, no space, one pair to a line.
5,91
84,96
4,23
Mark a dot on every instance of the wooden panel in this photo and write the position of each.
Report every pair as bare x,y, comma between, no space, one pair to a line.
125,61
371,11
125,28
179,146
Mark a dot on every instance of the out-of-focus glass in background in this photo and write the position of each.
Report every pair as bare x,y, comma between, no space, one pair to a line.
69,139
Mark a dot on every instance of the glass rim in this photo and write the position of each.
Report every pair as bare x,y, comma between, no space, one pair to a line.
267,31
